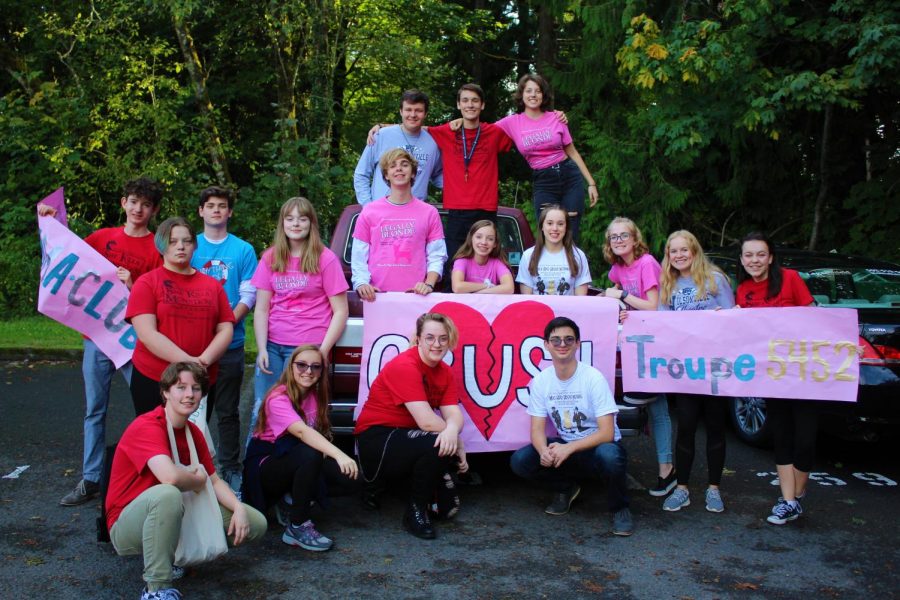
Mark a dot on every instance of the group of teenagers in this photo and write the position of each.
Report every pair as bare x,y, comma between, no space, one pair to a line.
190,293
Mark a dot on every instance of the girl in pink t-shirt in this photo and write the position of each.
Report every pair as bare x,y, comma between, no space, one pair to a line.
635,274
480,266
290,445
546,144
301,295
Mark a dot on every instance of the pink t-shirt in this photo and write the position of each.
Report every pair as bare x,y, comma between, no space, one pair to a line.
489,272
639,277
397,236
280,414
540,141
299,311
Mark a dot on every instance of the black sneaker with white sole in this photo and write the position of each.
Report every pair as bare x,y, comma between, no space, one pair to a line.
664,485
562,501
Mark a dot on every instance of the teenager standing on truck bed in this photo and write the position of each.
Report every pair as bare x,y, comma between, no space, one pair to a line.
398,242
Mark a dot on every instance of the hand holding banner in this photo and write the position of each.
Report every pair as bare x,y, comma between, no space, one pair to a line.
499,351
802,353
80,289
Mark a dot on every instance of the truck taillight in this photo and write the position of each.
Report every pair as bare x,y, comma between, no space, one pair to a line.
878,354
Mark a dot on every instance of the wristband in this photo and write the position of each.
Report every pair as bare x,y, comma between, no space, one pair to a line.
623,296
429,285
592,185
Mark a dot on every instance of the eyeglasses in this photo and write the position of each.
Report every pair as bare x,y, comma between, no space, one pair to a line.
619,237
556,342
431,340
303,367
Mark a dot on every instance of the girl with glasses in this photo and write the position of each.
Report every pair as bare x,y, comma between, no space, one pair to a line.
401,437
689,281
291,450
554,266
635,274
301,295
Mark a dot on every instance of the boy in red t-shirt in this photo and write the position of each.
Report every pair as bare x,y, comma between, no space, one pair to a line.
130,248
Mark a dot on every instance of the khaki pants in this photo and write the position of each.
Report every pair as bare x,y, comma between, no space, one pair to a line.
151,524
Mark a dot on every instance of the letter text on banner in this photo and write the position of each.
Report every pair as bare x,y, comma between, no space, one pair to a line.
500,349
805,353
79,288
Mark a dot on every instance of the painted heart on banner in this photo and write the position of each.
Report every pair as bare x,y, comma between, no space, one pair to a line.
511,326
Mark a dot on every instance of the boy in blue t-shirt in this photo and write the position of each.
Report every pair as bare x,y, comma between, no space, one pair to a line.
231,261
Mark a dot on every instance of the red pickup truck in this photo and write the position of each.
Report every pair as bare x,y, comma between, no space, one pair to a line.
515,235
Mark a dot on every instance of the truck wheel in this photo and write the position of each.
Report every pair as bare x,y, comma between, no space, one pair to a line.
748,416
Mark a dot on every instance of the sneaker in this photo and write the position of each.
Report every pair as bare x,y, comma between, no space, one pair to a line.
562,501
678,500
664,485
714,500
306,537
623,524
177,572
83,492
784,512
163,594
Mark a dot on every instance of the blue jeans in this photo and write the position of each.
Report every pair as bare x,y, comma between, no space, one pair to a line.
279,354
609,460
560,184
661,425
97,370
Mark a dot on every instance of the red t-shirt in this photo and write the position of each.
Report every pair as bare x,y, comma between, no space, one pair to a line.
187,308
752,294
137,254
479,190
406,379
145,438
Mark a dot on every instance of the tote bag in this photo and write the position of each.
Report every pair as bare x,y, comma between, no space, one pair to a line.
202,537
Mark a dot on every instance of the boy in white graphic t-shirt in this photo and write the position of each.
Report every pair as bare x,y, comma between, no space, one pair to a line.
576,397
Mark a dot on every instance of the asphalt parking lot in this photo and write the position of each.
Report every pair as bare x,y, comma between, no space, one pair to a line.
501,545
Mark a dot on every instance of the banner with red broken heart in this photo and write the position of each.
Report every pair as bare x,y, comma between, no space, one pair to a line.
500,349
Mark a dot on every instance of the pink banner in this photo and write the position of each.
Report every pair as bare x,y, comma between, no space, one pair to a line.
803,353
79,288
500,349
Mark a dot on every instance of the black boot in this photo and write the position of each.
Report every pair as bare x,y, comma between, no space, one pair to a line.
416,521
371,495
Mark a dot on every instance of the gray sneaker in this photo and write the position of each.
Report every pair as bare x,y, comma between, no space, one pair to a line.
164,594
306,537
623,524
714,500
83,492
562,501
678,500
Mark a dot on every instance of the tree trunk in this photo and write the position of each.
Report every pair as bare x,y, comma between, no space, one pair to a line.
523,39
546,50
823,179
198,76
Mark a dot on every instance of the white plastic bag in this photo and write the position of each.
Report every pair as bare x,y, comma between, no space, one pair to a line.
202,537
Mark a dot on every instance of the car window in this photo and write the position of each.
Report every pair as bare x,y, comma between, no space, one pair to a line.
849,286
508,227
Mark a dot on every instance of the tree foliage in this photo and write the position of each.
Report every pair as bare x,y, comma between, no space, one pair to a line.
715,116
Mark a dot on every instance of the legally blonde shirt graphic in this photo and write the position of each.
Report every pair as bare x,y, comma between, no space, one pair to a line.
397,236
553,276
574,405
540,141
300,309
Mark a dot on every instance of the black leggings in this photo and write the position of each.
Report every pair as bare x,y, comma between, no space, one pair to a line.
301,471
394,453
794,425
688,410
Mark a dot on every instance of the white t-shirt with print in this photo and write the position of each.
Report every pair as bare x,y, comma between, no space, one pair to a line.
553,276
574,404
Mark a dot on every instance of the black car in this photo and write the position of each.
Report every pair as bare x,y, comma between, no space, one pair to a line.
872,287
